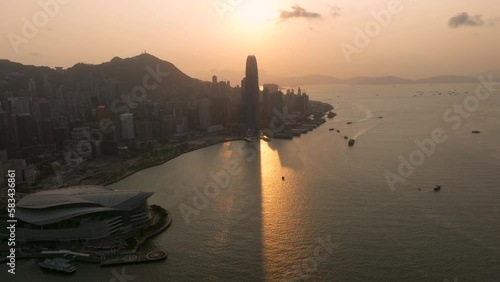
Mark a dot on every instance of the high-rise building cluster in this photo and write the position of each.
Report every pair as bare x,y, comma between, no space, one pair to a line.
53,115
96,116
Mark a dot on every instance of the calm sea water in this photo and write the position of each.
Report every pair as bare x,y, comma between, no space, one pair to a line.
334,218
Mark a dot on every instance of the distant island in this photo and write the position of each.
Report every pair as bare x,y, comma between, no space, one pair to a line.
319,79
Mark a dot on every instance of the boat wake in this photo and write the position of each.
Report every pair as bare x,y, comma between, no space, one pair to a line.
368,113
363,131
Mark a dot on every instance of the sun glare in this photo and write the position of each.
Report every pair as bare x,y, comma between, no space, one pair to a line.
257,12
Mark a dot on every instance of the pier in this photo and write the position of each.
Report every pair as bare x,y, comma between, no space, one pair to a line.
135,258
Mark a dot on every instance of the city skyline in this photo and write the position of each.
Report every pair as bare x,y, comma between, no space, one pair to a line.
428,37
91,111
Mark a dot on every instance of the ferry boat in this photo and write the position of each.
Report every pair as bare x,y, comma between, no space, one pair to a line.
58,264
331,114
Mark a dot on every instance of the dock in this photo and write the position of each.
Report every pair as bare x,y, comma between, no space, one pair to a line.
135,258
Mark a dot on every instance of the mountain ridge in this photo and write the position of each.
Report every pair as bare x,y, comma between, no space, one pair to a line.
135,66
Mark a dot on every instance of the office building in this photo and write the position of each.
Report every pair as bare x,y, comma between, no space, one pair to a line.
250,95
127,122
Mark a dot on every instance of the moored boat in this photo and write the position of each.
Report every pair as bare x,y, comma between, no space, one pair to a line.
58,264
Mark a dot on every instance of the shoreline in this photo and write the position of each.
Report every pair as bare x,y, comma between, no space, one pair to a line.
127,174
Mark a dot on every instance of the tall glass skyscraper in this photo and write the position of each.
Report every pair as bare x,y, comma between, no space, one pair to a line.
250,94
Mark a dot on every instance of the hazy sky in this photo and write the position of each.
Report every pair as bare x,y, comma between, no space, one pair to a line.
425,38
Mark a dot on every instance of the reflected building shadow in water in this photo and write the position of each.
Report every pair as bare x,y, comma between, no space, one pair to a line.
289,153
244,238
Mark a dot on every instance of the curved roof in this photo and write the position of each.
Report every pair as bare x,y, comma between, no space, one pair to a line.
51,206
52,216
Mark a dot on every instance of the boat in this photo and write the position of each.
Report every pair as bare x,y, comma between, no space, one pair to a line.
133,258
58,264
345,137
349,122
437,187
475,131
380,117
351,142
331,114
338,130
331,129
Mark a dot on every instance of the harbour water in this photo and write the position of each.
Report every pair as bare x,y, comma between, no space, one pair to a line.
334,217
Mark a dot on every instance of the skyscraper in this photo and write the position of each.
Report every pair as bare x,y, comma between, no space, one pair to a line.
205,115
250,93
81,143
127,126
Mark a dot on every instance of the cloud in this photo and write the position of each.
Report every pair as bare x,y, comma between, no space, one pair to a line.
464,19
297,12
492,21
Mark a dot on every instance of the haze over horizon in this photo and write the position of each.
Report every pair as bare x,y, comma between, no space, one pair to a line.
289,38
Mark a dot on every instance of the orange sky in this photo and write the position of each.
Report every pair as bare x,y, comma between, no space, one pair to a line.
201,39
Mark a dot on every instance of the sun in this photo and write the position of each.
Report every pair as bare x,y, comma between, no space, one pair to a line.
256,12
